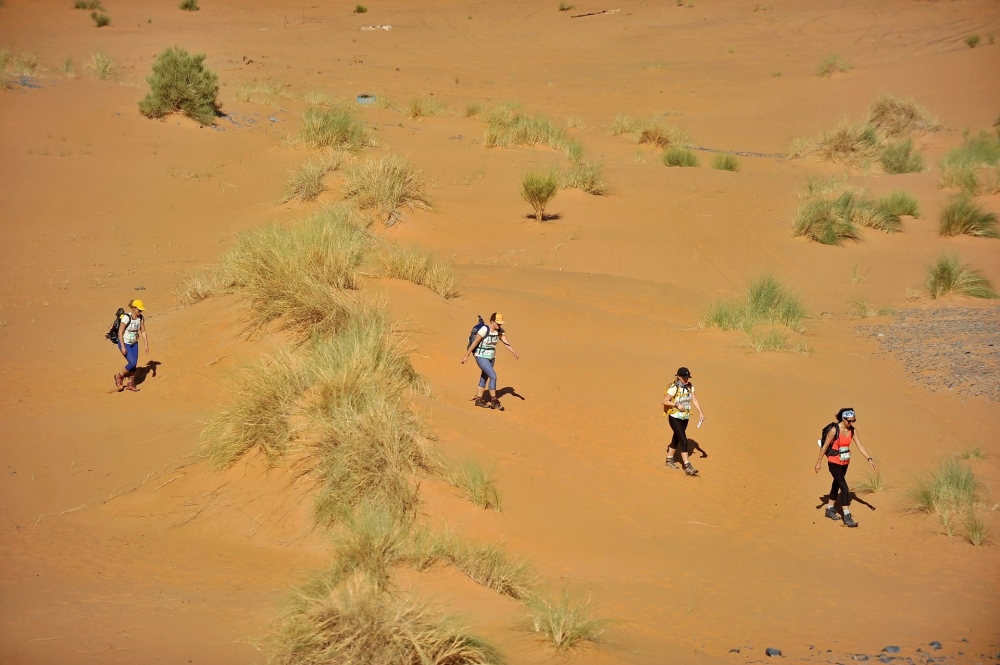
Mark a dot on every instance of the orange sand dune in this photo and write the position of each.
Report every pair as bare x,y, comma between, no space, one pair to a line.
120,545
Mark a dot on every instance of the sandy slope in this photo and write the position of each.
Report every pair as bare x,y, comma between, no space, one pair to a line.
118,545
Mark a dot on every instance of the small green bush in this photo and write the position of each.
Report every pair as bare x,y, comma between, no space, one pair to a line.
538,188
87,4
725,161
949,275
680,157
360,9
766,302
477,483
832,221
180,82
977,529
972,41
188,5
963,216
507,126
974,166
770,339
564,623
100,20
899,203
899,157
335,127
833,63
587,176
565,7
953,487
873,482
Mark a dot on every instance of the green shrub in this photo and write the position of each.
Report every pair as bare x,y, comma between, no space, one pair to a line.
574,150
587,176
419,267
360,9
725,161
973,453
384,185
899,203
680,157
963,216
972,41
833,63
370,542
564,623
188,5
180,82
538,188
899,157
102,66
477,483
99,19
335,127
949,275
832,221
974,166
766,302
953,487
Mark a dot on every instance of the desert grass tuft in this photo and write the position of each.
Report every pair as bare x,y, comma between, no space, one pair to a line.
477,483
507,126
67,68
587,176
973,453
538,188
564,623
335,127
101,66
831,221
662,134
360,9
624,124
188,5
873,482
766,302
419,267
850,142
972,41
384,185
949,275
306,182
199,286
866,311
355,622
900,203
680,157
832,64
725,161
100,19
180,82
953,487
565,6
473,109
491,566
899,157
977,530
424,108
897,117
259,92
769,339
974,166
963,216
371,541
87,4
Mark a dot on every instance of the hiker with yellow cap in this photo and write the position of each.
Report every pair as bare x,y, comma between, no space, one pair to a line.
483,343
131,325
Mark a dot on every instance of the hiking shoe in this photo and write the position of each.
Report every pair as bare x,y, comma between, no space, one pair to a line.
672,464
849,520
832,513
483,403
690,470
496,405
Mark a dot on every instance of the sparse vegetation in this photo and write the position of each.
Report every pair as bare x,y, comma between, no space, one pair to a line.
100,19
769,339
899,157
624,124
422,108
335,127
662,134
473,109
859,274
199,286
477,483
974,166
180,82
896,117
360,9
973,453
680,157
766,302
259,92
831,221
899,203
873,482
963,216
832,64
67,68
384,185
565,7
507,126
949,275
866,311
87,4
419,267
306,183
972,41
491,566
564,623
587,176
538,188
725,161
977,530
952,488
101,66
189,5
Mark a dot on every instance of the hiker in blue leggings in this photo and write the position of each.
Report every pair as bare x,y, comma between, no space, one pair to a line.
484,347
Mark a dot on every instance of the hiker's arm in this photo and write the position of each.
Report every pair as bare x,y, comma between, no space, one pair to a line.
826,446
862,448
475,343
142,331
503,338
694,400
121,336
668,401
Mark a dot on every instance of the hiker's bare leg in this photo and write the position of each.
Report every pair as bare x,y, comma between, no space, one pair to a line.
684,458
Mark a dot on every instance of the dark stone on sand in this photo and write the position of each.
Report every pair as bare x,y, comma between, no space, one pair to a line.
884,659
734,651
936,645
859,656
892,649
771,651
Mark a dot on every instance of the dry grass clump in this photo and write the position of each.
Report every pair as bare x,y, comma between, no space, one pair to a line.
259,92
866,311
662,134
680,157
371,541
850,142
384,185
974,166
355,622
507,126
306,183
963,216
897,117
831,221
949,275
420,267
180,82
952,489
491,566
101,66
899,203
538,188
832,64
899,157
766,302
423,108
335,128
188,5
587,176
725,161
769,339
477,483
20,65
199,286
564,623
100,20
624,124
473,109
87,4
977,529
873,482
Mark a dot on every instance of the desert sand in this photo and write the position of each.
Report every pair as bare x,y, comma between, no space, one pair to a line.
120,544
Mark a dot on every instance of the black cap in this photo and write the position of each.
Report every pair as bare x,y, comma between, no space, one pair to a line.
684,372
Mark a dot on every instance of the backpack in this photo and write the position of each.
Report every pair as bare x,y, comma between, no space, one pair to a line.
112,334
475,331
822,437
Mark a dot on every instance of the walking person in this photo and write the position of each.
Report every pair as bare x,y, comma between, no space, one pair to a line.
677,405
131,326
837,450
483,345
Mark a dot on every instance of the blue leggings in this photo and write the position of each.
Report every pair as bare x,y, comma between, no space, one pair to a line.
486,365
131,356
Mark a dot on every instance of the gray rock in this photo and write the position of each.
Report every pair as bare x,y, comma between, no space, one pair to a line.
771,651
936,645
892,649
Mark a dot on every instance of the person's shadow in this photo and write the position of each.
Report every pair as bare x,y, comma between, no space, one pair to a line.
142,372
825,500
503,392
692,447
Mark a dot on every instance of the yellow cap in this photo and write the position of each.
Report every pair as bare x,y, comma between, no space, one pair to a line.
138,305
499,318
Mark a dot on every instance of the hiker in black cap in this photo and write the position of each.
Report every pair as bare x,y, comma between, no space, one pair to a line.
677,405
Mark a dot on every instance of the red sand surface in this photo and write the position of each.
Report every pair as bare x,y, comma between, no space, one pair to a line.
119,545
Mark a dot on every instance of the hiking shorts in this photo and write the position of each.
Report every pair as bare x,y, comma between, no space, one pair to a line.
131,356
487,372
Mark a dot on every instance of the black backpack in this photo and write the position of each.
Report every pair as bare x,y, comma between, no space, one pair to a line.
475,331
822,437
112,334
